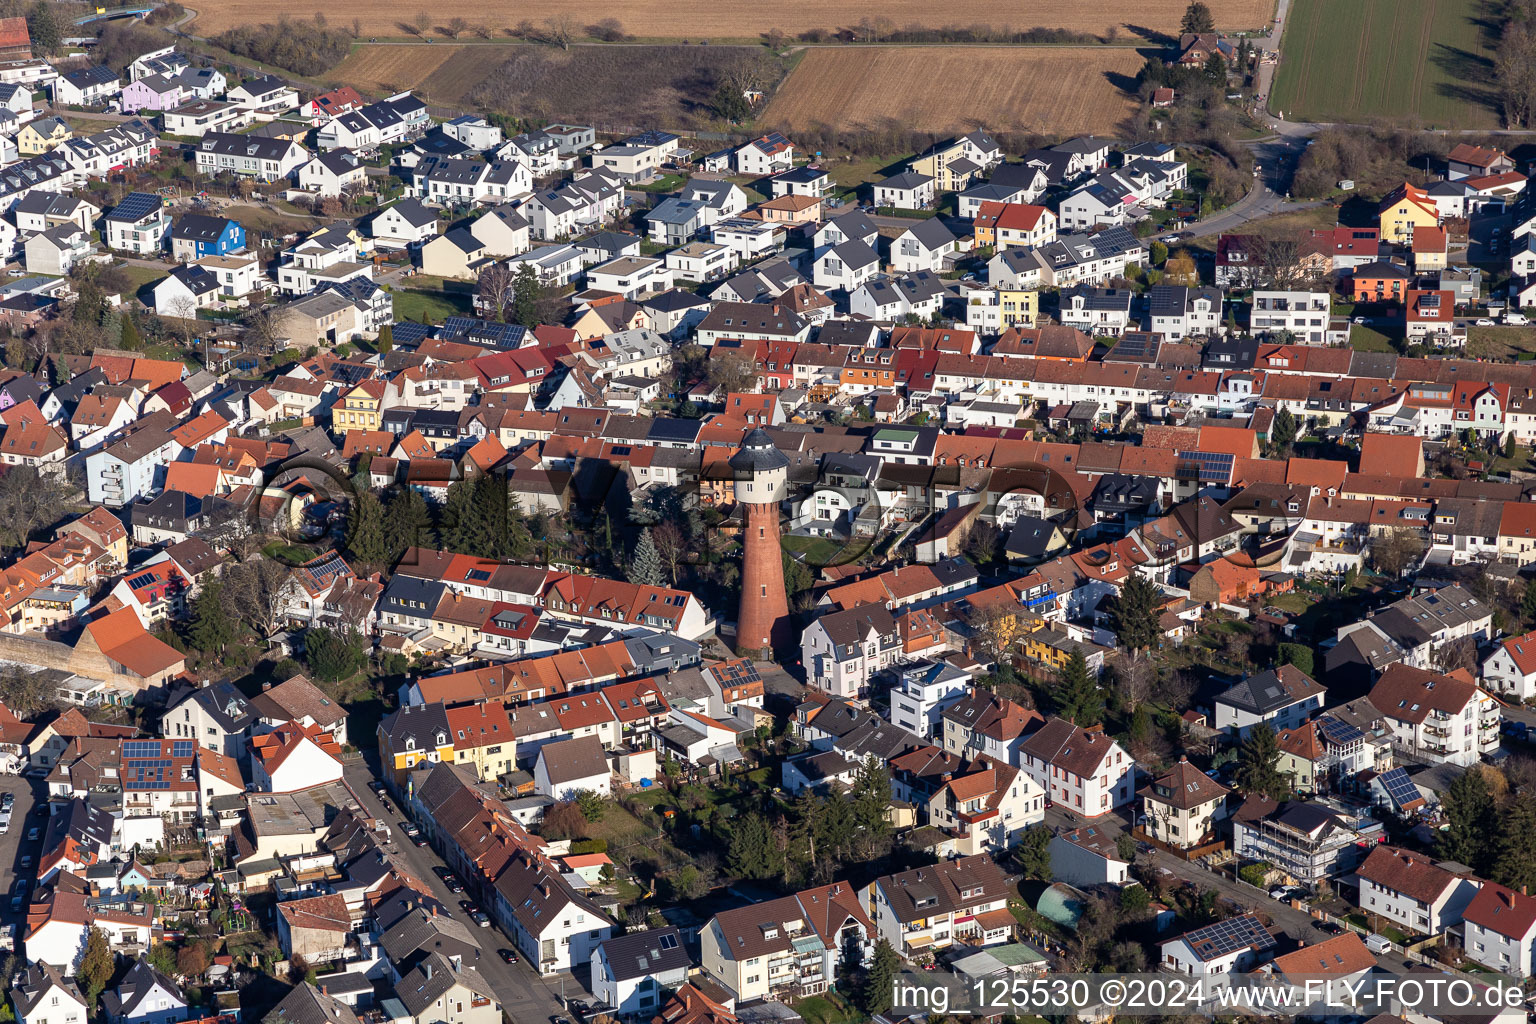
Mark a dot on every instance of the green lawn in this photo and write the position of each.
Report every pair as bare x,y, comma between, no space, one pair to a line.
1500,343
817,550
143,277
828,1009
1364,339
430,306
665,183
1371,59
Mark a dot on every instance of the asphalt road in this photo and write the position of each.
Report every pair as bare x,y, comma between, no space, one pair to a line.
526,997
13,845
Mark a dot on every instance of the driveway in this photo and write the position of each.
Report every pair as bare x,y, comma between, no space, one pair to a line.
526,997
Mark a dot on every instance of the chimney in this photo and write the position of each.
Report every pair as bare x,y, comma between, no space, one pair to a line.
426,969
266,686
434,910
322,988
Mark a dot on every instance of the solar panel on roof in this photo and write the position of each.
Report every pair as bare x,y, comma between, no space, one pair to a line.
141,748
1399,787
183,748
1339,733
135,206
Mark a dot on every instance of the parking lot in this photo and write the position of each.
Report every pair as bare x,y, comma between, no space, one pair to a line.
14,845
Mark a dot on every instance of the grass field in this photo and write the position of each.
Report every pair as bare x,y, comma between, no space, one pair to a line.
425,306
1500,343
698,19
1051,90
1364,60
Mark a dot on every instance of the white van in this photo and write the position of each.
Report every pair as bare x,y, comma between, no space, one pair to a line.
1377,944
1515,319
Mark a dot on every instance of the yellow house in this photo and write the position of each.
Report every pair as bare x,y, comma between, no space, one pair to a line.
1017,308
360,407
953,165
413,736
42,136
482,739
1407,207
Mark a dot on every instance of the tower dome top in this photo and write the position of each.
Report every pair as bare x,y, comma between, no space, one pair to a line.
758,454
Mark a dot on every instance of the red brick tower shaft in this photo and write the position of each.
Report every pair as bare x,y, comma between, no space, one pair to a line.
763,620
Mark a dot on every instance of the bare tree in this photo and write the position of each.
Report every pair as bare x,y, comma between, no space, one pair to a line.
671,545
1396,550
497,287
256,586
423,22
457,27
262,328
609,30
560,30
184,311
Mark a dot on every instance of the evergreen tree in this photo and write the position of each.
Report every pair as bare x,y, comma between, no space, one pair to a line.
212,628
645,562
334,655
407,523
871,794
1299,655
131,339
1078,697
1282,433
1469,813
525,297
877,994
806,826
507,533
1258,765
43,27
1515,861
1528,602
1216,68
365,530
1033,854
96,966
1133,613
1197,19
386,339
459,527
751,852
1509,446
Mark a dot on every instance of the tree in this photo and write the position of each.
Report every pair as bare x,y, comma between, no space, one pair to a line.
334,655
1510,446
162,958
871,794
212,628
496,288
457,27
730,105
96,965
1468,837
1197,19
750,851
1258,765
525,298
1033,854
1515,861
192,960
43,27
385,340
1395,551
609,30
1158,252
671,546
1459,653
27,693
460,529
422,21
1299,655
1133,613
645,562
730,371
877,993
1216,68
1078,697
366,540
29,501
1514,69
560,30
1282,432
590,805
1528,602
688,884
564,821
407,523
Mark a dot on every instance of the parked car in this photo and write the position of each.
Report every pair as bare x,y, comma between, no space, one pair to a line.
508,957
34,834
1484,322
480,919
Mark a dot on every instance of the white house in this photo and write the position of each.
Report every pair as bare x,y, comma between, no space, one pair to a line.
630,973
1499,927
404,224
770,154
294,757
555,927
1281,698
86,87
1089,856
844,650
331,174
931,908
1302,314
567,767
1436,717
1081,770
144,996
846,266
139,224
908,190
923,246
1226,947
1511,669
1183,806
253,156
1413,892
1178,312
925,690
42,995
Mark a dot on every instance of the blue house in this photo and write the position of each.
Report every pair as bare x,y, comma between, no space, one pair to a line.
197,235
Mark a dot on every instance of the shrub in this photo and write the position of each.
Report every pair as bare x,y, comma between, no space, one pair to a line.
302,47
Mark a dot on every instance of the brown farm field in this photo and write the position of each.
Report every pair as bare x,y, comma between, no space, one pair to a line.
439,74
698,19
1050,90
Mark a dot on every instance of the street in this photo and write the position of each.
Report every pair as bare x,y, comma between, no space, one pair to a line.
13,845
526,998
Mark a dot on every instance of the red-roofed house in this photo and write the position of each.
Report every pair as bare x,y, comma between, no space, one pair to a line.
15,40
1414,893
294,757
1393,455
1501,930
1511,668
1014,225
1469,161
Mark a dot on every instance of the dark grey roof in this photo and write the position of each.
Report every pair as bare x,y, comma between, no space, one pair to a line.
906,180
429,980
932,233
758,454
645,954
413,212
305,1004
255,146
139,982
100,74
423,723
225,704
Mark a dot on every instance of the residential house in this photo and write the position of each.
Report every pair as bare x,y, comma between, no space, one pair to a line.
931,908
1281,698
1183,807
1412,892
630,973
